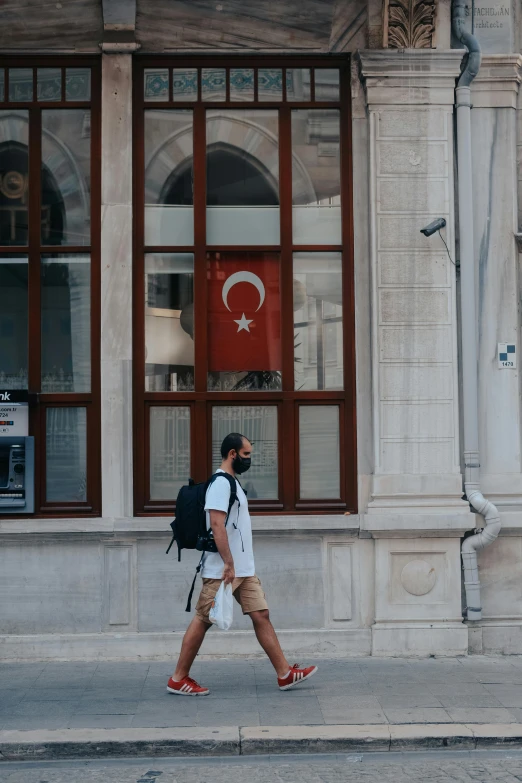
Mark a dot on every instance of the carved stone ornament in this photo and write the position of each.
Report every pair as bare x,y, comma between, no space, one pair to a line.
411,24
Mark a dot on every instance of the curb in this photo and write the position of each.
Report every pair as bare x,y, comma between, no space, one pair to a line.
47,745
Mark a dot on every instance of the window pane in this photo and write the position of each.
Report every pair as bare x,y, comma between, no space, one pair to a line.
156,84
77,84
66,176
242,177
298,84
242,84
185,84
270,84
318,321
66,455
169,198
244,322
259,424
14,177
169,451
49,84
66,323
319,462
13,322
316,177
169,322
20,84
326,84
213,84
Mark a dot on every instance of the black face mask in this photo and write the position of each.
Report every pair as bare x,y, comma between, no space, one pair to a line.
241,464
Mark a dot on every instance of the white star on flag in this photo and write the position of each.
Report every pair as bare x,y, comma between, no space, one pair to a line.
243,323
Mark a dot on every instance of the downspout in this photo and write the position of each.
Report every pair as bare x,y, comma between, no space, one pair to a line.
482,539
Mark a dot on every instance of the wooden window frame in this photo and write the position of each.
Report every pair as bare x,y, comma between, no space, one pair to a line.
39,401
287,399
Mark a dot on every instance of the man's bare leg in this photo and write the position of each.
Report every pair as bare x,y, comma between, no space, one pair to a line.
192,641
267,638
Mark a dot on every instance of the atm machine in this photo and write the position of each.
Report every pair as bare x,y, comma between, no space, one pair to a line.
16,454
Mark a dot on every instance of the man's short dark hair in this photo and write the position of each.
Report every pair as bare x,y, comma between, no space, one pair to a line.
233,441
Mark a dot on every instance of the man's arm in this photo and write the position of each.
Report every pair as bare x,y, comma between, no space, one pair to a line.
219,531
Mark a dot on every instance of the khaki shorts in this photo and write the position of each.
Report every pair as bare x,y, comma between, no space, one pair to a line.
246,590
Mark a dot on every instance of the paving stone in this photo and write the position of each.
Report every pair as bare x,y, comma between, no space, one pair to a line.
405,700
418,715
99,721
43,709
99,706
481,715
297,712
58,693
461,701
28,723
342,716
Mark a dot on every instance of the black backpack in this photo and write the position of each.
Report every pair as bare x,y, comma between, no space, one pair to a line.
189,527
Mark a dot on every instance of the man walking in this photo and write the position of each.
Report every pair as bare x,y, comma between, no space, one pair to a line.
233,563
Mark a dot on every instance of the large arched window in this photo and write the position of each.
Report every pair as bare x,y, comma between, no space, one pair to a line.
49,270
244,263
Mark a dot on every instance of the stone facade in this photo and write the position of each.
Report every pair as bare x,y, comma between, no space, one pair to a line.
387,580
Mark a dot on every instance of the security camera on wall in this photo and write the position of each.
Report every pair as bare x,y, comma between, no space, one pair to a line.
435,225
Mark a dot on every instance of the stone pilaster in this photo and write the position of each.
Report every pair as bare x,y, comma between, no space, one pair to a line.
416,513
410,97
493,128
116,285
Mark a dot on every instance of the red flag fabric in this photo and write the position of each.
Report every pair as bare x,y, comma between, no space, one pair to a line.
244,312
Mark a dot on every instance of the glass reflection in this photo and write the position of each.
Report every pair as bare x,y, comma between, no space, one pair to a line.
66,455
318,321
316,177
319,447
66,323
66,176
298,84
20,84
49,84
169,178
14,177
169,451
242,177
259,424
77,84
326,84
169,322
13,322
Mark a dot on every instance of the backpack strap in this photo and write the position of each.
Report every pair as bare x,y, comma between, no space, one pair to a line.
233,491
198,569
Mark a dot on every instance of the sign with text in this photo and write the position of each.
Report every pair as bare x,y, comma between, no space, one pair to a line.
493,25
14,419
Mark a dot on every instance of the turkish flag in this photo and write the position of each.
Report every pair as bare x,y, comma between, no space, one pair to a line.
244,312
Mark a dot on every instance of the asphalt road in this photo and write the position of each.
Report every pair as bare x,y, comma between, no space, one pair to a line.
434,767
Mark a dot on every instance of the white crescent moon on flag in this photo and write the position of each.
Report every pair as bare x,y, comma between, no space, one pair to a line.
243,277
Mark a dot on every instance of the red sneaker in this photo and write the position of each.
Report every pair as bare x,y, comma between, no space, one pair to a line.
186,687
295,676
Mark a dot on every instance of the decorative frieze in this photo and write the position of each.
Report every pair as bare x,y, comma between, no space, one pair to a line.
409,24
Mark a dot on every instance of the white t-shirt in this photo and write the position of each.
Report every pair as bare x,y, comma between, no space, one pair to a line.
239,529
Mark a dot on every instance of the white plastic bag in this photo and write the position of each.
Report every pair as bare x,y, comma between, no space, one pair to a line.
221,613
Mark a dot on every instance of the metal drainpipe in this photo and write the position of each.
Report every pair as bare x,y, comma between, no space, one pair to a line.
475,497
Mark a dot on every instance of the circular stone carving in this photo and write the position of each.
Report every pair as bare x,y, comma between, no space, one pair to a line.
418,577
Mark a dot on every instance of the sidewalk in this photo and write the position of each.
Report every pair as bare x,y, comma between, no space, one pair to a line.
368,692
